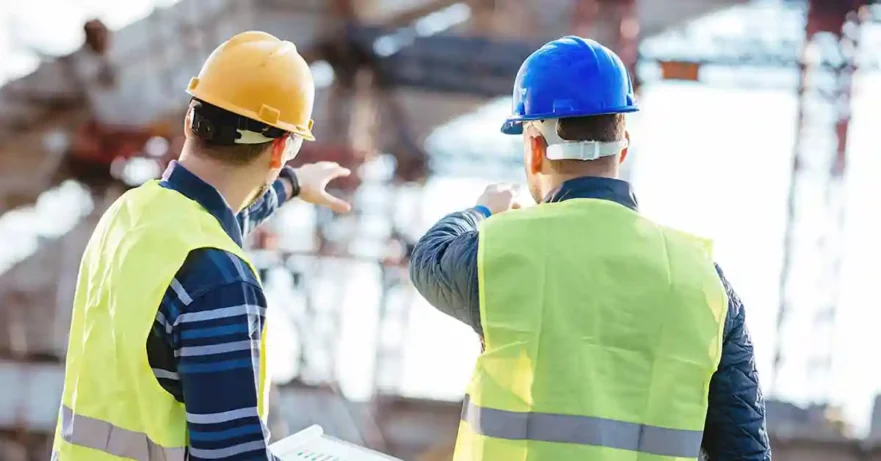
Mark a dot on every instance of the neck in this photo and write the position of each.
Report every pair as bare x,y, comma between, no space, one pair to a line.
230,182
553,182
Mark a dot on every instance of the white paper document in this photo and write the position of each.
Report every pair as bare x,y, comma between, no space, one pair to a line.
313,445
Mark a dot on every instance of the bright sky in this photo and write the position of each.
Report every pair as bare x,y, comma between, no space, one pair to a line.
713,160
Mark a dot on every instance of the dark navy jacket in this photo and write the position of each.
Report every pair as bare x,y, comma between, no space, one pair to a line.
443,268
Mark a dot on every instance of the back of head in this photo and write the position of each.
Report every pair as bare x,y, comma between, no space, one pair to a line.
226,137
600,130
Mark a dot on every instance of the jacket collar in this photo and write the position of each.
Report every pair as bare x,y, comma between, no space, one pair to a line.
179,179
594,187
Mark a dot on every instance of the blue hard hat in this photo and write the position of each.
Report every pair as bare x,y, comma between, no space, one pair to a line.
570,77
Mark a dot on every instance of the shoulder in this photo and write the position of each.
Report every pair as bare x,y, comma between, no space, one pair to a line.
735,306
729,290
208,269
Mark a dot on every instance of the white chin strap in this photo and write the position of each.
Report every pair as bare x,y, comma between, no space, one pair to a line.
561,149
252,137
292,144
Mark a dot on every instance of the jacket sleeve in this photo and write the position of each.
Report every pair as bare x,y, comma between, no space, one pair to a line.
443,266
264,207
735,428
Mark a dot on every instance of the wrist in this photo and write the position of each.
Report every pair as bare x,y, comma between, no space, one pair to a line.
483,210
289,174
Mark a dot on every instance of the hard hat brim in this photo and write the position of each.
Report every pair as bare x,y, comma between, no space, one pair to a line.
514,125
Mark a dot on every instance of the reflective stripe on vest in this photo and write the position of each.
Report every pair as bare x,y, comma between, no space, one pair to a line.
103,436
582,430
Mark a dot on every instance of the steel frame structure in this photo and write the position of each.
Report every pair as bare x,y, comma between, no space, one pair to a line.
814,233
359,92
816,207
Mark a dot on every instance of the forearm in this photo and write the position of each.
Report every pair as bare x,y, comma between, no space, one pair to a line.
443,266
219,366
282,190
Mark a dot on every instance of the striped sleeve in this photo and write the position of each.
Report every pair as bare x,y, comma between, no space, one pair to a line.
216,336
263,208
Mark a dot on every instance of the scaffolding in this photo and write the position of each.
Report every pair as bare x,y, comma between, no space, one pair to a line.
825,53
814,236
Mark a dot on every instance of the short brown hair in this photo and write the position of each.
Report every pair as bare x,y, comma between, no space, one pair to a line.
235,155
601,128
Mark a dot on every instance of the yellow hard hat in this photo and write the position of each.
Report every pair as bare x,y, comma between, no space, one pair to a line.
257,76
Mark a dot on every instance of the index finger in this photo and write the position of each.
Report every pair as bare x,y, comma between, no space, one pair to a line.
336,172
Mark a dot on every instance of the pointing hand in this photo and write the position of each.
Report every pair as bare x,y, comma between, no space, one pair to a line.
313,179
499,198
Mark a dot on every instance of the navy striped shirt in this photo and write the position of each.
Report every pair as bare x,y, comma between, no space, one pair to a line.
205,344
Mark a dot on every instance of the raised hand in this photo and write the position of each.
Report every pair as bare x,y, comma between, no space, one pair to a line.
499,198
313,179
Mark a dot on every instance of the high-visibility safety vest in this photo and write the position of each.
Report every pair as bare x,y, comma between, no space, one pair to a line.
602,330
113,408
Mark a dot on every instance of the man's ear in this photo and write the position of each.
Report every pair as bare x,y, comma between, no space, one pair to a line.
624,152
188,122
538,148
278,146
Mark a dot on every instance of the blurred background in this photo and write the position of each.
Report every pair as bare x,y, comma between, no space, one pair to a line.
760,128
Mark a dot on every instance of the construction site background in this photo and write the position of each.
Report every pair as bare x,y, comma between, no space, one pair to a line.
410,96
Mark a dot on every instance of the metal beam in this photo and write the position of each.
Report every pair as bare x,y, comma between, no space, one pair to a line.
485,67
446,63
409,16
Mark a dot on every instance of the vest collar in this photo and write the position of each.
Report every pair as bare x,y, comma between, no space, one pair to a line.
614,190
181,180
